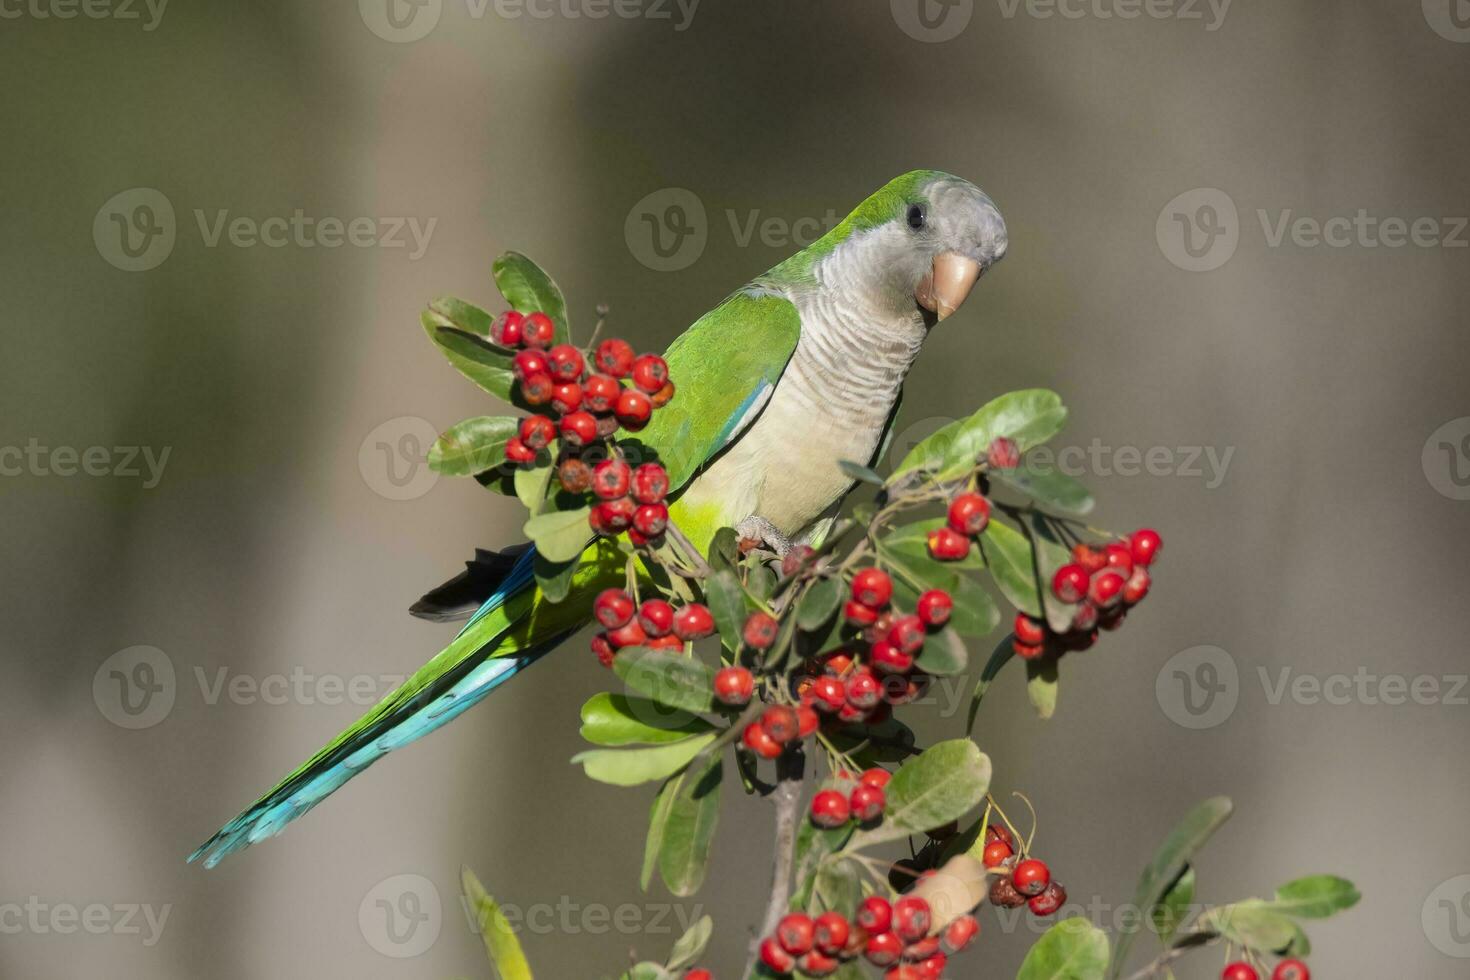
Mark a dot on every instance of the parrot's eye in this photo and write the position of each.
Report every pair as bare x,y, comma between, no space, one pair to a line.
916,216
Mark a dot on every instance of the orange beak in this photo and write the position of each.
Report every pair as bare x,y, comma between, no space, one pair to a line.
948,283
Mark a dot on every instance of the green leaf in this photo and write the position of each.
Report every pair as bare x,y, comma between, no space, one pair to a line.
529,290
1041,684
554,579
819,604
693,816
1170,860
463,315
1316,897
691,945
501,944
560,535
813,843
473,446
1073,949
1050,554
859,472
944,653
629,767
838,886
671,679
724,549
613,719
726,601
1252,923
648,971
531,483
1008,553
912,540
658,819
1173,908
939,785
999,657
975,613
1029,417
474,357
1052,489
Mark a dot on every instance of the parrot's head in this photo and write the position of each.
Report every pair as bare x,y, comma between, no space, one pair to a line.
923,240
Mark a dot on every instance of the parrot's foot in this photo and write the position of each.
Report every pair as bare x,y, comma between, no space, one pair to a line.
757,532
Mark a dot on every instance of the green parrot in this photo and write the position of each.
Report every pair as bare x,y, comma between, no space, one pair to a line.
796,371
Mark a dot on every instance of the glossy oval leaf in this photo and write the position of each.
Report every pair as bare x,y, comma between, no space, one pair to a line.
613,719
1008,554
560,535
528,289
944,653
689,832
671,679
691,945
501,944
1029,417
473,446
937,786
1073,949
1316,897
1053,490
463,315
630,767
819,604
474,357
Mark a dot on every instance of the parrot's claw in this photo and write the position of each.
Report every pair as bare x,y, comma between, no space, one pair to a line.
757,532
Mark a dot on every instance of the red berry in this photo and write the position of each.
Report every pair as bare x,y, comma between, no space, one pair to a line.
958,934
867,802
760,630
796,558
1292,969
828,694
612,516
1027,651
1004,454
734,686
517,451
907,634
537,430
614,357
651,520
538,330
858,614
781,722
863,691
663,396
934,607
883,949
837,663
872,587
650,483
947,544
995,854
832,932
1028,630
1239,970
969,514
818,964
579,429
889,659
756,739
1069,584
1145,545
633,409
775,958
933,967
1052,897
613,608
1085,618
650,373
1119,558
807,721
1137,587
600,393
830,809
603,647
699,975
537,389
630,634
874,914
666,642
1000,832
1106,589
529,362
565,363
610,479
656,617
693,622
1089,558
795,933
875,777
911,918
1030,877
506,329
566,397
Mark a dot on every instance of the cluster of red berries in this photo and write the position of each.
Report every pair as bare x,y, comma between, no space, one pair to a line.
864,801
655,623
1029,881
628,499
1292,969
1102,584
779,727
898,936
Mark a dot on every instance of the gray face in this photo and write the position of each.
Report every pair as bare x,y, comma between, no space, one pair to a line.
960,218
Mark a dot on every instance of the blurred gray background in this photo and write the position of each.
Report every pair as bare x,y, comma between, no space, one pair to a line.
1153,170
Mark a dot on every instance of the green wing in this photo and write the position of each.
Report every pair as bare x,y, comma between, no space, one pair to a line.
725,367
